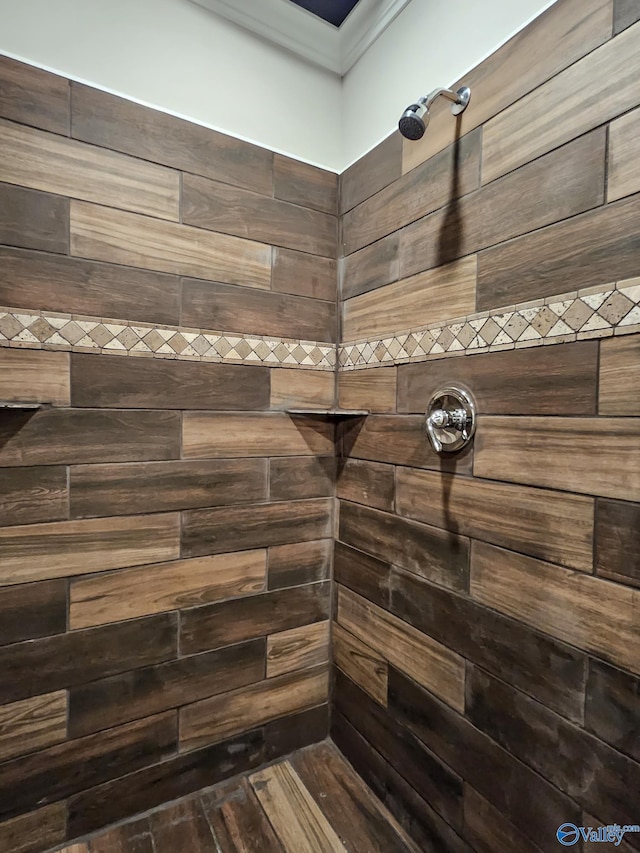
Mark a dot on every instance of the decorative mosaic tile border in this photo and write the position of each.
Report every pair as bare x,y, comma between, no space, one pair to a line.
591,313
51,331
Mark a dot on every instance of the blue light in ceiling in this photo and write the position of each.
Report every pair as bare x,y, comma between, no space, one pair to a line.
332,11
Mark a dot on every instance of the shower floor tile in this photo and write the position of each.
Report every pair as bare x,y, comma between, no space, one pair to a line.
311,802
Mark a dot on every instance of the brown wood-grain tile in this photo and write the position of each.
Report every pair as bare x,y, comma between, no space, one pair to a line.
46,282
625,13
539,122
302,274
35,552
304,184
559,185
299,563
488,830
302,388
562,34
372,390
593,774
30,495
171,779
65,769
122,125
118,237
143,692
132,837
34,376
594,249
31,96
374,266
182,826
36,831
105,490
215,435
296,477
555,526
206,305
597,456
55,164
617,541
30,611
619,386
612,709
420,767
439,555
32,724
218,530
238,620
369,483
223,716
400,440
360,663
439,294
157,383
416,654
624,171
588,612
156,588
415,815
297,819
33,220
297,648
348,804
296,731
238,822
68,660
362,573
371,173
232,210
415,194
532,804
536,381
66,436
546,669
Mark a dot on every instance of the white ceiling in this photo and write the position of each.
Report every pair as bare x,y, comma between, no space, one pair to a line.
287,25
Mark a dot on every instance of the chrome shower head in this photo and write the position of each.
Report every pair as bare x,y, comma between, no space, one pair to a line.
414,120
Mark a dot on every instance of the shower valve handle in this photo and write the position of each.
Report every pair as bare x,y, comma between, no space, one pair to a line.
450,420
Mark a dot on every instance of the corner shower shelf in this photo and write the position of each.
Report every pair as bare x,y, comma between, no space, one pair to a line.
22,406
331,413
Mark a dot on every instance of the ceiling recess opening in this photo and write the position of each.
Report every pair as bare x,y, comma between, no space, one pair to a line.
332,11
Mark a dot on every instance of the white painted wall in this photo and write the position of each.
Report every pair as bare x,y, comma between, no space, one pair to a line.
431,43
176,56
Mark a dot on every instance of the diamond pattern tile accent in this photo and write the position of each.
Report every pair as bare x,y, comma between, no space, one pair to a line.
37,329
584,314
616,307
577,314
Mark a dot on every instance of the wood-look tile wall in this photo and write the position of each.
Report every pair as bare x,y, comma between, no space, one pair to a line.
165,527
487,636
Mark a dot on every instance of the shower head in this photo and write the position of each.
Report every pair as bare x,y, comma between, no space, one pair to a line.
414,120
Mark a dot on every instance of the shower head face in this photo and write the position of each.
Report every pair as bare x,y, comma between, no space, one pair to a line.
413,122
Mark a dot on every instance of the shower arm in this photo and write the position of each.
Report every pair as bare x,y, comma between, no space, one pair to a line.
427,100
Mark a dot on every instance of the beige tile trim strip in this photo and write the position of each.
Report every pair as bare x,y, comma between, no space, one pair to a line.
51,331
591,313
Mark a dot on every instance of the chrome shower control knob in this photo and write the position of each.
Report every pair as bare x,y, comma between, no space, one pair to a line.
439,418
450,419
